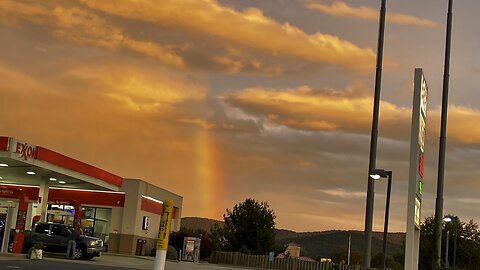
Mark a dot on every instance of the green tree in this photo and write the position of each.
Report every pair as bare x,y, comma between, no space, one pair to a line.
303,252
389,263
342,257
249,226
219,241
466,235
427,243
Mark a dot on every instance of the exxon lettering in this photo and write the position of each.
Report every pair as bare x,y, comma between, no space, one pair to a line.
26,151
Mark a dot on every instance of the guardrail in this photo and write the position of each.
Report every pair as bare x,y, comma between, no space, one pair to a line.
262,261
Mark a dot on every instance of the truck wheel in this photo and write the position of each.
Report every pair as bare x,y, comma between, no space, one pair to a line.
80,253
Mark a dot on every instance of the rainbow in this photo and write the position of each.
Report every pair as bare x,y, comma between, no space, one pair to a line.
209,176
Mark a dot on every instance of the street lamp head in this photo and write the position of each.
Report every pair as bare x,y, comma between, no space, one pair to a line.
379,173
449,218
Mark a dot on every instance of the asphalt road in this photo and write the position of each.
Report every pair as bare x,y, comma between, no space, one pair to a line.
103,262
51,265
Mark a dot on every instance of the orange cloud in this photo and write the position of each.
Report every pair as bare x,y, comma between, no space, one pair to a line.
238,64
260,46
349,110
81,26
249,28
306,108
462,124
342,9
15,12
141,89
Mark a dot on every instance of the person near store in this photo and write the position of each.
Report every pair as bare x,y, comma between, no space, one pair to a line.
72,242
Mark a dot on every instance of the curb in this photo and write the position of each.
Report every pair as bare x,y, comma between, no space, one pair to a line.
13,255
147,258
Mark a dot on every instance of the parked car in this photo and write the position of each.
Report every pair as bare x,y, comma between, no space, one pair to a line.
55,239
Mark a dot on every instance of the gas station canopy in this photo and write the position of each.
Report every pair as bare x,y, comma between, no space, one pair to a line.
26,164
34,181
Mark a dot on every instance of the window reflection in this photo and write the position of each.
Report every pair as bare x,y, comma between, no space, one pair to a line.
96,222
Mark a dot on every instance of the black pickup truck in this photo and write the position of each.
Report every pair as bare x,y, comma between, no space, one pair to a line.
55,239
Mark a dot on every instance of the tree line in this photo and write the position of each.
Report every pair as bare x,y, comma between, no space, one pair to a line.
250,228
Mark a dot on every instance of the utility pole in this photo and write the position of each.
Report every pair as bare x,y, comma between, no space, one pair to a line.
443,141
373,141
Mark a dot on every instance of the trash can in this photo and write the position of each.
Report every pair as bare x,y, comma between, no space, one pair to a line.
140,250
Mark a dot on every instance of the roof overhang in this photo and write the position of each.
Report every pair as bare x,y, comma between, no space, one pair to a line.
22,157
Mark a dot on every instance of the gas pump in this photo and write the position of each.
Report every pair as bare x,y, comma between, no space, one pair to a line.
6,216
191,249
18,237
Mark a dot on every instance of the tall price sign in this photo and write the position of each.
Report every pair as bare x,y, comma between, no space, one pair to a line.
415,184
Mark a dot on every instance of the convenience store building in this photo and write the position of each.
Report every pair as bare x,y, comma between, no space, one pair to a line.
38,184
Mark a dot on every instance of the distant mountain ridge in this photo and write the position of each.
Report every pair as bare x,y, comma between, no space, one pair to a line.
325,244
199,223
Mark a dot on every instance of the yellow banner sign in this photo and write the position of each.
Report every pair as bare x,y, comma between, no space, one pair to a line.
165,220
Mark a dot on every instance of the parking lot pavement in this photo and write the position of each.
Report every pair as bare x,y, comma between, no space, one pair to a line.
10,256
133,262
147,263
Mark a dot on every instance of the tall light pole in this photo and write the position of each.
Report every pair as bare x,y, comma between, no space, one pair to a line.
446,249
455,231
373,140
443,140
349,247
377,174
454,220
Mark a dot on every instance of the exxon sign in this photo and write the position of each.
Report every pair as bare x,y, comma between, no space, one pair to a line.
26,151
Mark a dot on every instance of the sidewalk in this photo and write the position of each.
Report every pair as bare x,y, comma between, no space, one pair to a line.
10,256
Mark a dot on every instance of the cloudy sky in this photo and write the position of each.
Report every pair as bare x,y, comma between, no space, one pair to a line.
222,100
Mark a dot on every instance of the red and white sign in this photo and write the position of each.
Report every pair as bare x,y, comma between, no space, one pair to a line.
24,151
420,166
6,191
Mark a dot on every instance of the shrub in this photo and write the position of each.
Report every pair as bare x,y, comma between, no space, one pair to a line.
172,253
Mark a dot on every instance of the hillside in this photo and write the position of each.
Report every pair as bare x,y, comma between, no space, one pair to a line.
198,223
316,244
326,244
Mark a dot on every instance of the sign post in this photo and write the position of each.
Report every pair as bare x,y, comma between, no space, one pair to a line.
415,184
164,231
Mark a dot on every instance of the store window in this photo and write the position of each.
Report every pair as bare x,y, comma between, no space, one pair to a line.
96,222
60,214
